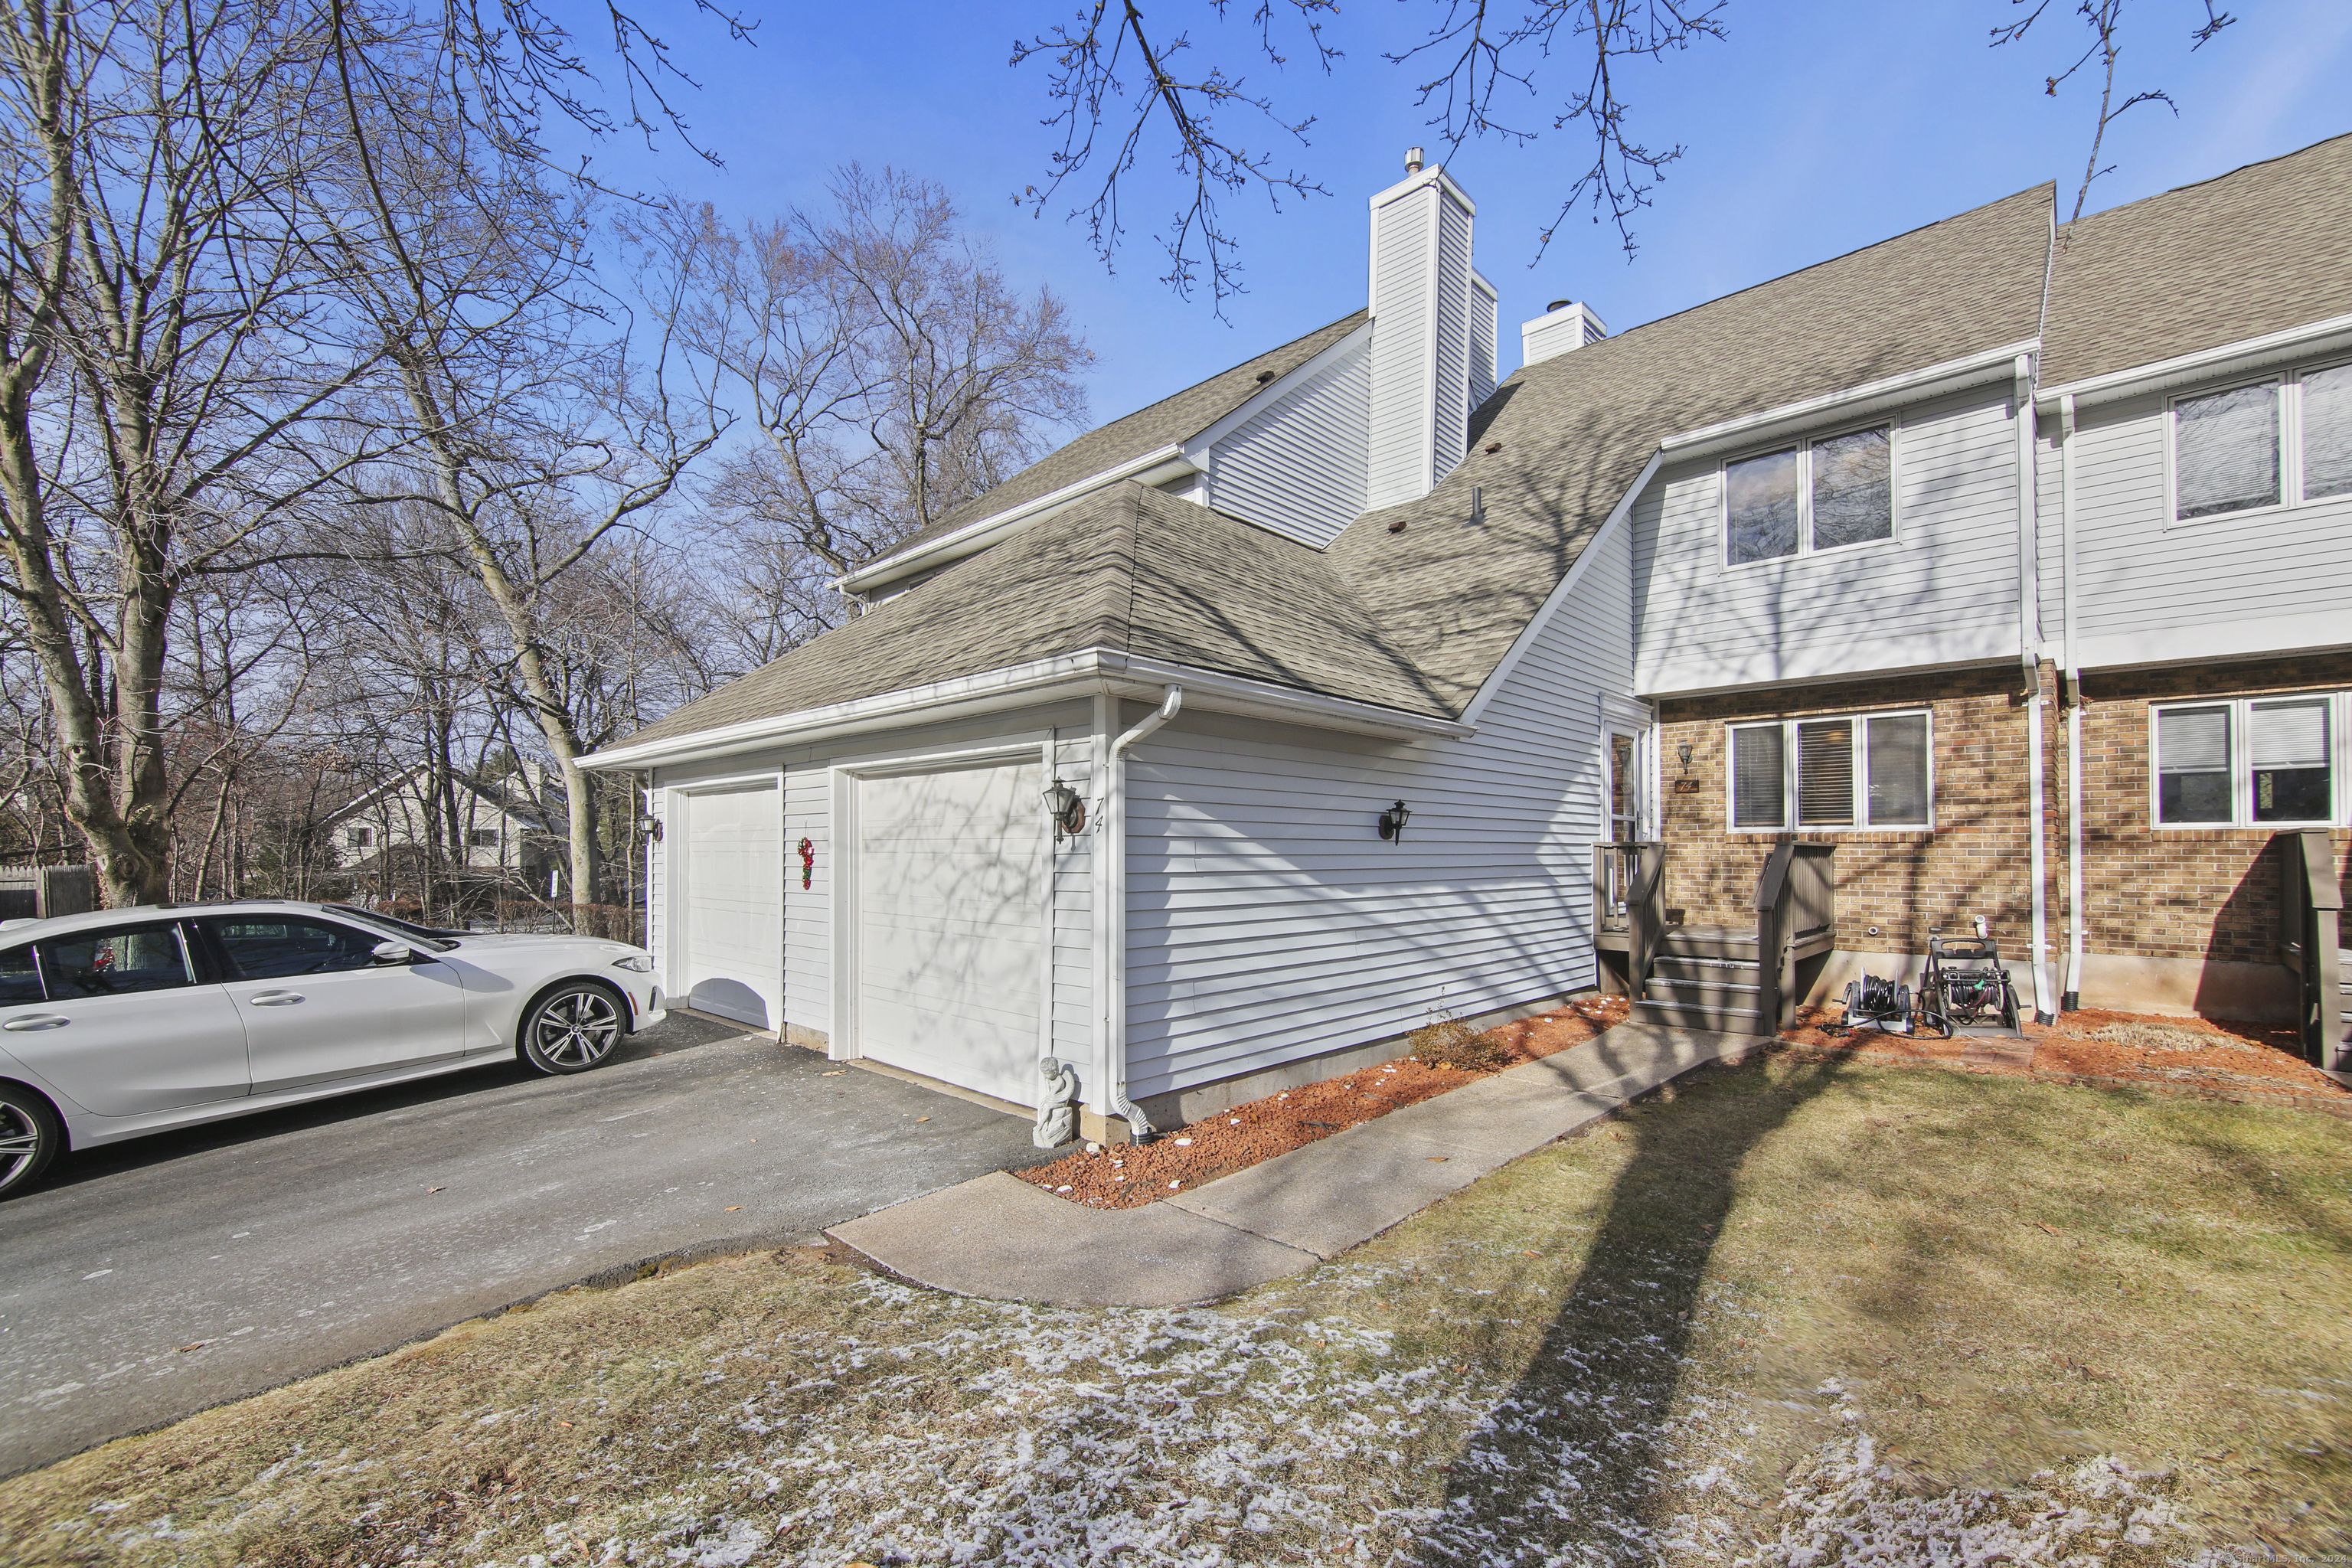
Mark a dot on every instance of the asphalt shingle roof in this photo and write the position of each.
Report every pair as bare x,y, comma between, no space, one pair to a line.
1131,570
1167,423
1417,617
2254,251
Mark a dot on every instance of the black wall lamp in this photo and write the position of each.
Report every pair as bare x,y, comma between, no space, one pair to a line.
1684,752
651,826
1392,821
1068,810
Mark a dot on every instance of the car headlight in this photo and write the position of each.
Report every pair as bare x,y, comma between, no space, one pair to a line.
639,961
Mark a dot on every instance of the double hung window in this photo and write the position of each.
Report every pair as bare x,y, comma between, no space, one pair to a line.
1869,770
2251,761
1824,495
2282,440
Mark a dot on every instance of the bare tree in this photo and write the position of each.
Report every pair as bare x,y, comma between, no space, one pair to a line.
2105,20
890,372
1120,101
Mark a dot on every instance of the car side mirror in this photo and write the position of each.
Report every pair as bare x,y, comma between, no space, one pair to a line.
394,952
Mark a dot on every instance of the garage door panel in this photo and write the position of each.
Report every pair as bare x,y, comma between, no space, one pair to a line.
950,933
731,960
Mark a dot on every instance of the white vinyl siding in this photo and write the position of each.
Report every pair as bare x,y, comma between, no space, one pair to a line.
1943,592
1405,263
1483,349
1296,467
1266,918
2153,589
1450,391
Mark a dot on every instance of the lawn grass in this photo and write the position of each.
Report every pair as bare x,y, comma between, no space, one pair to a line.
1790,1312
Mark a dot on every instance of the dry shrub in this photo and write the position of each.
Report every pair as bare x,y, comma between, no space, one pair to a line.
2170,1037
1450,1042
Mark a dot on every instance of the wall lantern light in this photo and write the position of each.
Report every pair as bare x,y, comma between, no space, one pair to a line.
651,826
1684,752
1392,821
1068,810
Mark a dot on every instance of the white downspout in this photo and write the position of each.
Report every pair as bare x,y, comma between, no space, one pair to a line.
2028,620
2069,996
1110,923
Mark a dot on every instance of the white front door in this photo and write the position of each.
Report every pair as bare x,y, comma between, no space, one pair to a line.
951,930
730,908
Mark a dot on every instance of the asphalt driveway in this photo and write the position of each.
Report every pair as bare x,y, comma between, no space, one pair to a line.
145,1282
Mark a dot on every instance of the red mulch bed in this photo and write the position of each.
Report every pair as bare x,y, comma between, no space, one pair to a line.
1130,1176
2214,1058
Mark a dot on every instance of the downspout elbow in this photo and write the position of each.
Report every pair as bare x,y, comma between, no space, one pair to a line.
1170,701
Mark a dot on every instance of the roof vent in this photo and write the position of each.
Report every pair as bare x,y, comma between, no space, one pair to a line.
1412,160
1563,326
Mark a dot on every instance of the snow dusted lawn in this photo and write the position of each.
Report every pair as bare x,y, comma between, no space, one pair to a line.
1802,1315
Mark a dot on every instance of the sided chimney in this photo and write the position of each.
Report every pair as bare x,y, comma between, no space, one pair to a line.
1433,321
1564,326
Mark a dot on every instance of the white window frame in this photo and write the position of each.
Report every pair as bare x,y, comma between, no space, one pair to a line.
2241,773
2289,409
1803,448
1788,783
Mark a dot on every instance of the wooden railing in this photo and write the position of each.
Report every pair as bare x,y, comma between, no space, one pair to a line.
2311,914
1629,896
1796,918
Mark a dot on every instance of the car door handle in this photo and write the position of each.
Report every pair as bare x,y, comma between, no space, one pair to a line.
36,1021
274,998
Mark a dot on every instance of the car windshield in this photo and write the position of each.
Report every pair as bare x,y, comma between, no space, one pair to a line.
404,930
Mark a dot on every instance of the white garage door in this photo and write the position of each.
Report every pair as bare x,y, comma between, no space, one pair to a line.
731,956
950,929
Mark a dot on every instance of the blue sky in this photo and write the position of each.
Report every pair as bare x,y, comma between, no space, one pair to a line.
1811,130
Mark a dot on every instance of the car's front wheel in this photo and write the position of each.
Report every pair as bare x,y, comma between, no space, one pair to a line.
30,1137
574,1027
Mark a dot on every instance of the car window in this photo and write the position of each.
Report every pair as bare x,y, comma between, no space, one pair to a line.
271,947
115,961
20,978
396,928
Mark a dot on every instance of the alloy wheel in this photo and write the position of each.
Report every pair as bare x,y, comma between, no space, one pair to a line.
575,1030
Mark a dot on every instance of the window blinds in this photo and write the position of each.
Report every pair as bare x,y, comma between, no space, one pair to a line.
2327,432
1898,770
2289,736
1825,773
1757,798
2193,739
2226,451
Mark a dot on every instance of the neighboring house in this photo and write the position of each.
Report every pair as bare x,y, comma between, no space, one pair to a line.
505,836
1792,563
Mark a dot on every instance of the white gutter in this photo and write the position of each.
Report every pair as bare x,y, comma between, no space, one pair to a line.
2158,373
1080,674
2045,1009
2070,994
1967,370
978,535
1111,925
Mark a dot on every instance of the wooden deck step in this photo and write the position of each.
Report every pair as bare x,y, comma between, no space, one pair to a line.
1692,1016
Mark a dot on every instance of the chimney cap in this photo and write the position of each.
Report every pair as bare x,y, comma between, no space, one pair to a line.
1412,160
1558,305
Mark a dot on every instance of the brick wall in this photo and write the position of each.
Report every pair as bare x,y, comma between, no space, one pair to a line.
2181,892
1975,862
2203,893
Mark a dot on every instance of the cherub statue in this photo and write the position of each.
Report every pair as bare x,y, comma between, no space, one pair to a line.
1057,1107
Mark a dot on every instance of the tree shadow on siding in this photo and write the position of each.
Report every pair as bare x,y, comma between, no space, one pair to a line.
1569,1465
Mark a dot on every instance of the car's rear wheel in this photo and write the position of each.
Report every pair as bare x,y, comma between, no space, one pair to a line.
30,1137
574,1027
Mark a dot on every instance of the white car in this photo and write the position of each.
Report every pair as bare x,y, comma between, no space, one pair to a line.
134,1021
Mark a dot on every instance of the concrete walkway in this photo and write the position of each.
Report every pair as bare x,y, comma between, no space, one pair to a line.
1001,1237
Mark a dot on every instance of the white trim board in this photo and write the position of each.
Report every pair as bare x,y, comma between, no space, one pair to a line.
2268,636
1850,403
1146,470
1080,674
2224,358
1197,449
